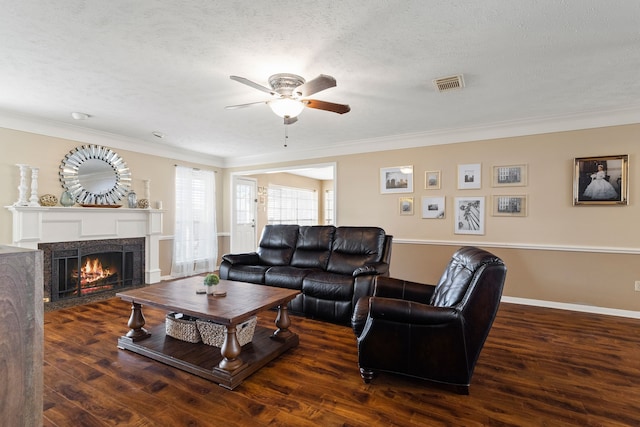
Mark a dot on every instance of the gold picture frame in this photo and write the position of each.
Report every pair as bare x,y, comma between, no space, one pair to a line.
510,176
432,180
601,180
510,205
405,205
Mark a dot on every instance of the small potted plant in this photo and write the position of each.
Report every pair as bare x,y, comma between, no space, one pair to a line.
210,281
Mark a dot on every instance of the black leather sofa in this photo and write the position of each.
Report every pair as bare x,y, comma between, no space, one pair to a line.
333,267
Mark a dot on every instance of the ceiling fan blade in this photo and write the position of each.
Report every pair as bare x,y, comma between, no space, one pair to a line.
316,85
290,120
235,107
327,106
254,85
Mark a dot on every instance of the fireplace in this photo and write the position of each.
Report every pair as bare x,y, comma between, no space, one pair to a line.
81,268
74,227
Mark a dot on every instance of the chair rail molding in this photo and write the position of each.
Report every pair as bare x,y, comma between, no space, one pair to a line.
528,246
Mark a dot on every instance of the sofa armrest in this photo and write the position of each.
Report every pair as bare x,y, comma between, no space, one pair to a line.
390,287
250,258
410,312
373,268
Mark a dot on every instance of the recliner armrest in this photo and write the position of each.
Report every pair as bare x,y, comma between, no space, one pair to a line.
374,268
411,312
250,258
391,287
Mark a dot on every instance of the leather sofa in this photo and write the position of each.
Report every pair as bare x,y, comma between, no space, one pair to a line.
333,267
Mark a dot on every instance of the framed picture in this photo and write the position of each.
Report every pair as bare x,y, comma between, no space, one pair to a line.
406,205
469,176
432,180
398,179
469,215
510,176
602,180
433,207
511,205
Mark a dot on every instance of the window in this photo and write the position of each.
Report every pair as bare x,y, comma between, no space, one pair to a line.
287,205
195,247
328,207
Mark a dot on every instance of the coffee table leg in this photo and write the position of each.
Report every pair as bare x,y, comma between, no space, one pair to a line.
136,323
282,322
230,351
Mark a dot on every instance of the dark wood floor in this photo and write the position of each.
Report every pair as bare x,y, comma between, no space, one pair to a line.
539,367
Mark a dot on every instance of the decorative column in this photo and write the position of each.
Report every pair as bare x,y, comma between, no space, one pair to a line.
22,188
33,200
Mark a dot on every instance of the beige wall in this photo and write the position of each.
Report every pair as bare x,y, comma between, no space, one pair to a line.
585,255
570,254
46,153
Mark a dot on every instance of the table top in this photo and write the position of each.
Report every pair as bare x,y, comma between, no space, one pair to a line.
243,300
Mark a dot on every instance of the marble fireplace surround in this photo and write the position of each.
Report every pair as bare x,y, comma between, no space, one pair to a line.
34,225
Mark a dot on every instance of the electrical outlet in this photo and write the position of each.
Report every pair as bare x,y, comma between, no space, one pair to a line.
637,285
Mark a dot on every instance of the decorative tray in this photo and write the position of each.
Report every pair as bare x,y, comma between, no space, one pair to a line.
100,206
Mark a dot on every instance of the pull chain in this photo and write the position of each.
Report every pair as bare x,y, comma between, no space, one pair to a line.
286,135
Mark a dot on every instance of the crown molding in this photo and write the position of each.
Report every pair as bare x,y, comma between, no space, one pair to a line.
506,129
90,136
532,126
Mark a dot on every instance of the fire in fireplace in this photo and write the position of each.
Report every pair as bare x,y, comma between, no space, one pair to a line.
76,269
91,276
92,273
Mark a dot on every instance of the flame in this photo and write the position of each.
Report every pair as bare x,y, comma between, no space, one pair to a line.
93,271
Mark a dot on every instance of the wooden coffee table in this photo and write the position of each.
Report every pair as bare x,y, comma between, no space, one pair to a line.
229,365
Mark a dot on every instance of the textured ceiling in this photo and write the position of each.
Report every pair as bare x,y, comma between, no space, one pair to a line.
148,65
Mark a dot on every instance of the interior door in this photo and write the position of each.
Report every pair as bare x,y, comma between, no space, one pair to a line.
243,224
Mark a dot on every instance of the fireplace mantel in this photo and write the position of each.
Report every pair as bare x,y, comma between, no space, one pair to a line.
33,225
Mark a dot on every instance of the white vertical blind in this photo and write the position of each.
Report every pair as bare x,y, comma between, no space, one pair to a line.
195,245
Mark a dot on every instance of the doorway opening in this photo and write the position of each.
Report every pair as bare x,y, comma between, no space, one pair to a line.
250,198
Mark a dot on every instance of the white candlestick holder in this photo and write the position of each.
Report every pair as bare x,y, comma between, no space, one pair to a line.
33,200
22,188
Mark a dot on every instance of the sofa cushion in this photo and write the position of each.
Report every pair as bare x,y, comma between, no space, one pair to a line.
247,273
353,247
284,276
313,246
277,244
329,286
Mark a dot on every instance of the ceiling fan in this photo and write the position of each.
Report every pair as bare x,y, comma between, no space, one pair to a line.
289,95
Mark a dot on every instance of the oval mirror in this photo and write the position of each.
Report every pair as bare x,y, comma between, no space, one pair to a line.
95,175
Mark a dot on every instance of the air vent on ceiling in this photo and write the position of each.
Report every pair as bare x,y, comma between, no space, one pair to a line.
444,84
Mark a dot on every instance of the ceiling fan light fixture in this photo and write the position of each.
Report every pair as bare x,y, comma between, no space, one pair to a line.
286,107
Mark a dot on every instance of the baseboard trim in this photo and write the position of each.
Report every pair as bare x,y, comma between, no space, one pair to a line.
573,307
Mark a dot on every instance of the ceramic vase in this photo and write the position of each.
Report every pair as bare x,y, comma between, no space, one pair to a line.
66,199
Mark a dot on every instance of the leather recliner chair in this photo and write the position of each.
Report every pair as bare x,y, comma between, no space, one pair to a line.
431,332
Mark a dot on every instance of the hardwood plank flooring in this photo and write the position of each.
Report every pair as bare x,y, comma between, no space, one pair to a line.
539,367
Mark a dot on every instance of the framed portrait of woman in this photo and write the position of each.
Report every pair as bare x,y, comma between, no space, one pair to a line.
602,180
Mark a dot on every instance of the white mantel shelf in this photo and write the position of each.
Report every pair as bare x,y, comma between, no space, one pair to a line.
34,225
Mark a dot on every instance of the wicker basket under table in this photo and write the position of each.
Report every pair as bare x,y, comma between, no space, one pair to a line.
214,333
182,327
